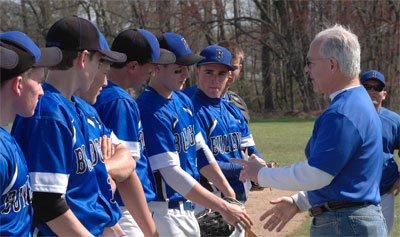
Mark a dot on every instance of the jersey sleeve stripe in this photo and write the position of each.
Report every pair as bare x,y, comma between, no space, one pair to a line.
134,147
12,182
164,159
49,182
247,141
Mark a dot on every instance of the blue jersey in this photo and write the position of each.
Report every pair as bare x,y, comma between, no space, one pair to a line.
56,151
16,213
171,137
120,113
189,92
391,142
226,134
95,129
345,144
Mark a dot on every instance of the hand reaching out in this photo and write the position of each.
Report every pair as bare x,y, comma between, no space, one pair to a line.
280,214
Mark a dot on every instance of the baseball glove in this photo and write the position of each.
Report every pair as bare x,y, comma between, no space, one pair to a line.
213,224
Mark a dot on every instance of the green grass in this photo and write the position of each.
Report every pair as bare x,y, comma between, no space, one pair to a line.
283,140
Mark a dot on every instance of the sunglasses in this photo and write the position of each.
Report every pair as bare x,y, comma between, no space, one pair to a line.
377,88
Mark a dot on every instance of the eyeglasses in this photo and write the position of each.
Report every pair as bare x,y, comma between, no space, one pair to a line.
308,60
377,88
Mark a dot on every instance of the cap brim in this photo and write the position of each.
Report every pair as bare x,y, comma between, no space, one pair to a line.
166,57
50,57
230,68
112,56
8,58
189,59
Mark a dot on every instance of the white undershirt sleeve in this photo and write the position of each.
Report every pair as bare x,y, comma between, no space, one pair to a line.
299,176
178,179
301,200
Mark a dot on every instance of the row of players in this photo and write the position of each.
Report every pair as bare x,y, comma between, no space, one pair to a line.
79,143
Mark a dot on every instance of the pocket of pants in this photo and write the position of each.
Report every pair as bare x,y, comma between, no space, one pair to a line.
318,222
323,226
368,225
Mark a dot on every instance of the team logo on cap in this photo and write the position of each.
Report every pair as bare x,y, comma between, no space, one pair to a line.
219,54
185,43
374,74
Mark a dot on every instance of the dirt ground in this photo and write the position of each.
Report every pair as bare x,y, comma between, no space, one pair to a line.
258,203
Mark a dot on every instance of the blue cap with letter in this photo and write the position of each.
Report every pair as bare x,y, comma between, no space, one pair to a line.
178,45
373,75
215,54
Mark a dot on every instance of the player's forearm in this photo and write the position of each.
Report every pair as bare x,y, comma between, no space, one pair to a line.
229,169
121,164
205,198
214,174
132,194
68,225
300,176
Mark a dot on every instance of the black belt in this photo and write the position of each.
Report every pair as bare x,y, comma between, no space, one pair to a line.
329,206
187,206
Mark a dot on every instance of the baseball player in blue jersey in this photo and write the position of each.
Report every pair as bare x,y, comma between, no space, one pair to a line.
226,131
67,199
175,148
374,83
344,157
115,157
119,111
22,73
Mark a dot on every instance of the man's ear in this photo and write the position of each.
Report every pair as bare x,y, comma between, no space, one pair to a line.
131,66
81,59
384,95
16,85
334,65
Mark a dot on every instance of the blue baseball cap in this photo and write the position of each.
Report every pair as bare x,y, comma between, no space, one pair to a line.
178,45
373,75
142,46
215,54
29,55
116,57
8,58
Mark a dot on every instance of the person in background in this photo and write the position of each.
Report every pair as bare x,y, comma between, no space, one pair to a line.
374,82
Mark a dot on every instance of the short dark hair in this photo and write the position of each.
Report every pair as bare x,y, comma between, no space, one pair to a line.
68,59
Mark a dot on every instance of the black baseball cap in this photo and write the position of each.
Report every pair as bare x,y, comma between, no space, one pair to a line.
142,46
76,34
29,55
8,58
178,45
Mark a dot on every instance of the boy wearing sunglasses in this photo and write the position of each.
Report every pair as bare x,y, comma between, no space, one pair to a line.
374,83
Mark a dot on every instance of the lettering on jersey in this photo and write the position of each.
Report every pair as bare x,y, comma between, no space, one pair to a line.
18,199
95,151
109,182
82,161
141,139
224,144
184,139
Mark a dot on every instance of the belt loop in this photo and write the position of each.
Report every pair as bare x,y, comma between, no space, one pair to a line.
181,207
327,206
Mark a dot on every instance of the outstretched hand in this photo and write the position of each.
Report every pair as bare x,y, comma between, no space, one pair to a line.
281,213
250,169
